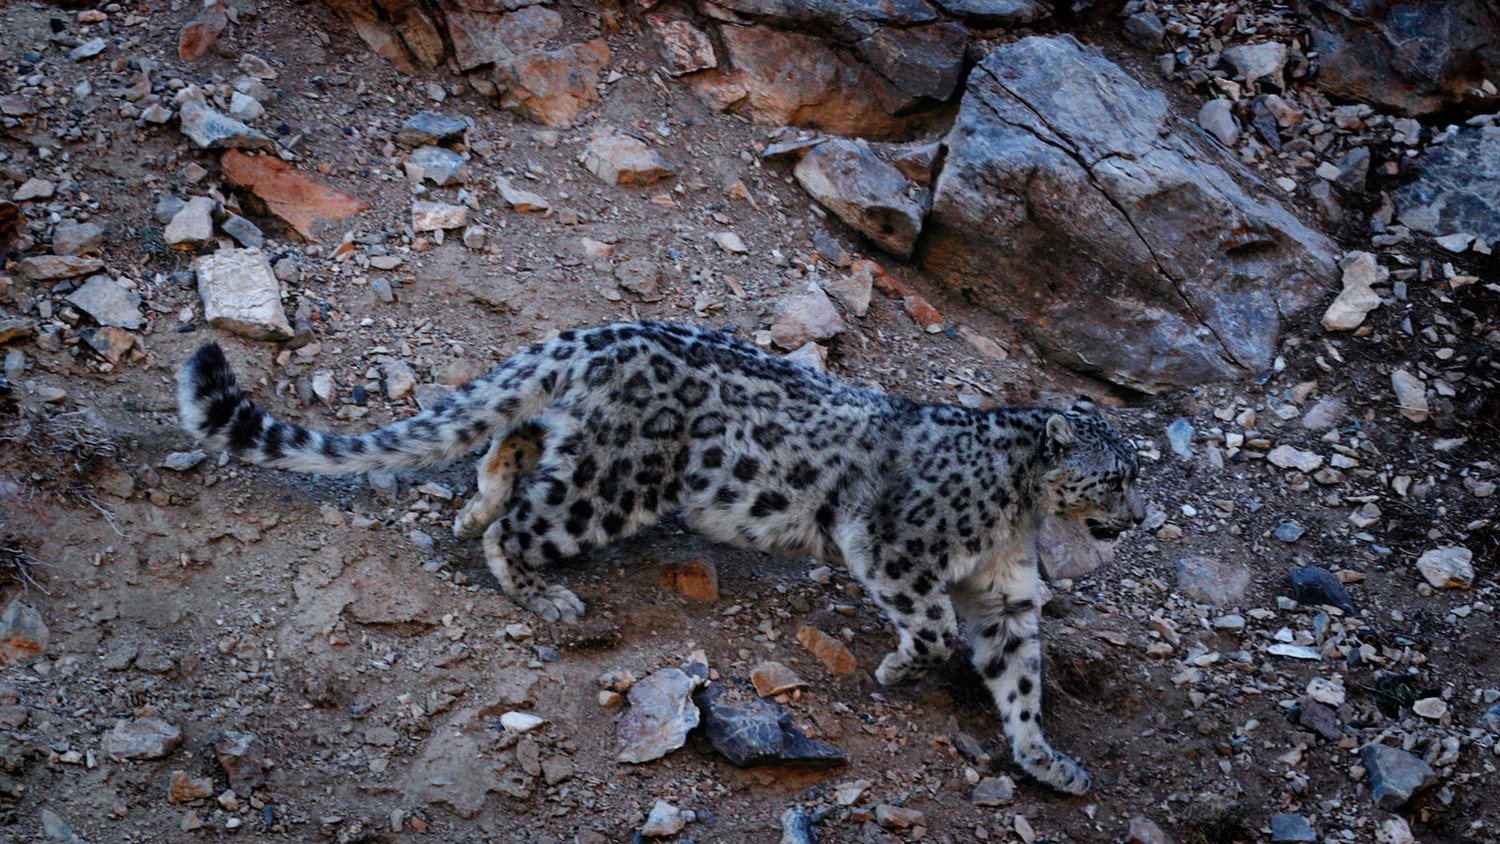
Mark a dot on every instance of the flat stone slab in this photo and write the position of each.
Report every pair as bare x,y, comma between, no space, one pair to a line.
57,267
313,210
661,715
429,127
241,294
760,733
1395,775
210,129
108,303
621,159
143,738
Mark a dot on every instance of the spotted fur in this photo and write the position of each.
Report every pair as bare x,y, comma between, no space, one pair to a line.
598,433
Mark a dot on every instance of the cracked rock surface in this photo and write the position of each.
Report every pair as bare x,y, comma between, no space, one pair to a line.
1126,248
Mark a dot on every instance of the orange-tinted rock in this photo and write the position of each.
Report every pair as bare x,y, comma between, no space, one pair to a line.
879,278
829,650
619,158
481,38
914,303
697,579
773,678
382,42
23,634
185,789
788,78
921,310
553,87
307,205
112,343
198,37
686,48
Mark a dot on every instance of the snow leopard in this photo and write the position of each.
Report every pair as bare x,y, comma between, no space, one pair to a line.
598,433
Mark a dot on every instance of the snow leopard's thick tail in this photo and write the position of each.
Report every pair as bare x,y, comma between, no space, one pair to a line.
212,408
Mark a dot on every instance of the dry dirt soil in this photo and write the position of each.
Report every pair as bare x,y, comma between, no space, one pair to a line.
370,652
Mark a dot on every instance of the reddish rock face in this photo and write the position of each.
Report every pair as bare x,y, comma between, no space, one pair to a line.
553,87
481,38
697,579
873,68
621,159
196,38
307,205
830,651
686,48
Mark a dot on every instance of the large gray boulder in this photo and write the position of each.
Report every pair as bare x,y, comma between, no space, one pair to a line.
1459,187
1119,239
1416,56
865,192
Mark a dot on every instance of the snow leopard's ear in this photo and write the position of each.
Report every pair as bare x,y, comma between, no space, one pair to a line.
1060,434
1087,406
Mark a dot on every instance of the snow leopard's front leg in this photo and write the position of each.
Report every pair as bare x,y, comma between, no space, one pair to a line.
916,601
1003,625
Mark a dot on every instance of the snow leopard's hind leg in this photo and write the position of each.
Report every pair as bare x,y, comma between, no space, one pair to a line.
520,581
1003,625
546,520
500,472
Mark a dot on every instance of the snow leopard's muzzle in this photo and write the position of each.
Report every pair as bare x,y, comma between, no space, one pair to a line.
1129,515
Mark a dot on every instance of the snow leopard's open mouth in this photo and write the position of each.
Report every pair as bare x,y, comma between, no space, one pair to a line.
1102,531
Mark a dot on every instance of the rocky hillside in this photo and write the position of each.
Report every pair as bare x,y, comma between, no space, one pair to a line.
1263,233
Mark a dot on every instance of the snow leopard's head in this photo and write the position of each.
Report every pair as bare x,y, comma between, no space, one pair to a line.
1090,473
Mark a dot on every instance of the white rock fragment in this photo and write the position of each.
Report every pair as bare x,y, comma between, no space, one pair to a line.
519,199
1287,457
193,226
1294,651
245,107
1394,830
1254,62
810,355
211,130
88,49
521,722
1455,242
241,294
400,380
731,243
804,318
1431,708
1411,395
182,461
1217,118
108,303
1448,568
619,158
1357,299
665,819
324,388
437,216
34,188
1324,415
1326,691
